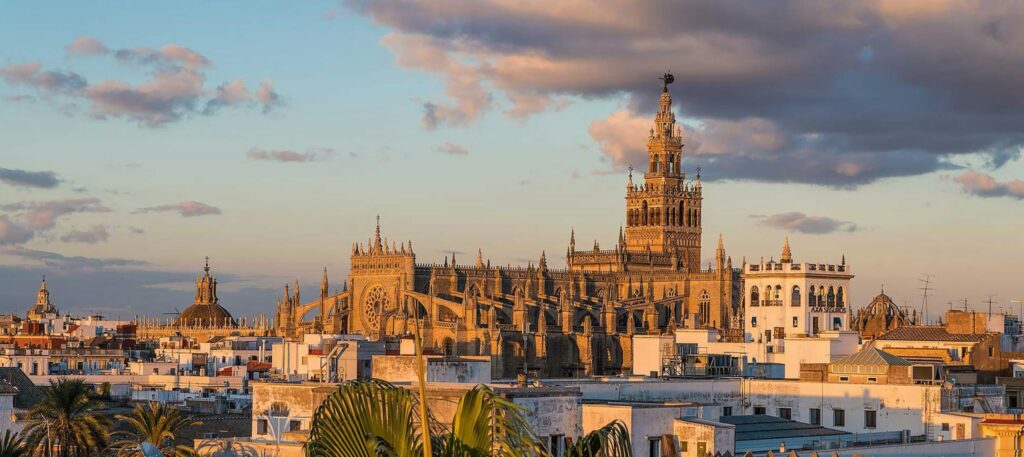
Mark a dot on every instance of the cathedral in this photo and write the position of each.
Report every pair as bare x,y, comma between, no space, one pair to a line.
576,321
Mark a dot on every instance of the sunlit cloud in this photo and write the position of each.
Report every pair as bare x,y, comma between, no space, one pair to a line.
188,208
795,221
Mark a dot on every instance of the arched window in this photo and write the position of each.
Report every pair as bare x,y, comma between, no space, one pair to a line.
705,307
839,297
821,295
689,216
644,206
795,296
831,297
671,164
448,346
778,295
681,212
654,164
755,296
812,299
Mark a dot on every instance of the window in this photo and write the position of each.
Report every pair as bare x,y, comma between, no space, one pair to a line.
760,411
991,351
815,416
837,323
684,445
795,296
261,427
838,418
754,296
786,413
654,447
870,419
844,379
555,445
796,321
753,322
945,426
727,411
294,426
872,379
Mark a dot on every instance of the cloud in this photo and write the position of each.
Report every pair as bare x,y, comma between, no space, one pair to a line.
169,56
451,149
32,74
285,155
136,230
43,215
58,261
186,208
25,178
86,46
983,185
96,234
800,222
13,233
877,89
235,93
176,88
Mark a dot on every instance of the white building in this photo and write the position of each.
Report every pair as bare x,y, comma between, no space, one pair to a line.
793,313
316,357
786,298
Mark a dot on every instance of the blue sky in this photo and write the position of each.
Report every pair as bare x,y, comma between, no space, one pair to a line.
858,153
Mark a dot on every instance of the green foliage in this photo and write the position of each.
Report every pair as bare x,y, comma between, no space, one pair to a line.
156,423
226,447
366,419
65,422
612,440
375,418
11,445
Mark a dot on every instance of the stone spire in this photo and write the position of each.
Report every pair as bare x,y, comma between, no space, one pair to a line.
720,253
479,258
787,254
543,264
377,247
324,289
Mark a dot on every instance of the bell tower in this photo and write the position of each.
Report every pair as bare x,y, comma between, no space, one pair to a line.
663,214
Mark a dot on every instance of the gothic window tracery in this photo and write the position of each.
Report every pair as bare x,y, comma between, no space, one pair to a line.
704,308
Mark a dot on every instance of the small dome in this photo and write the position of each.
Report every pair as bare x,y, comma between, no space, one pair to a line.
204,315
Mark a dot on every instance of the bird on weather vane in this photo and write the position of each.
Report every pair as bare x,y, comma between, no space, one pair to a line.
666,79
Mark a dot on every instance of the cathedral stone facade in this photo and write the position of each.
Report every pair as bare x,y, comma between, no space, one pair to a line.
576,321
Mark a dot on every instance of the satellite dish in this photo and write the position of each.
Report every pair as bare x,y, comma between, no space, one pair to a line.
149,450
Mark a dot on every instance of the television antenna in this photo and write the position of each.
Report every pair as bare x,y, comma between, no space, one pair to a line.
926,279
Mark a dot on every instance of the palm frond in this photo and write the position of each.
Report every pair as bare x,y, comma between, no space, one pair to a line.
365,419
612,440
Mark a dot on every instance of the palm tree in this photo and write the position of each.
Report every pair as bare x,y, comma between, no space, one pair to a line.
11,445
612,440
225,448
64,424
157,424
371,418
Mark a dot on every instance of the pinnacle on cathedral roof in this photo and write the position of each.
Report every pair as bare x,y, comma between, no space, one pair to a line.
787,254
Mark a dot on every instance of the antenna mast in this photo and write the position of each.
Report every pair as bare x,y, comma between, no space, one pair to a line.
927,281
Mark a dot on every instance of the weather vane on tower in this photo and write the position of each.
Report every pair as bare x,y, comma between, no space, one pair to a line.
666,79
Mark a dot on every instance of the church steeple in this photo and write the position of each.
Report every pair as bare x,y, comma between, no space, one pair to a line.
787,254
663,214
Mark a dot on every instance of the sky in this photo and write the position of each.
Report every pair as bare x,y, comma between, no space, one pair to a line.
136,141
